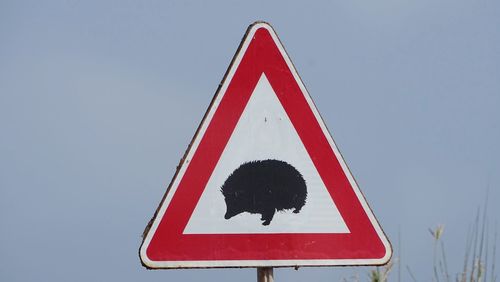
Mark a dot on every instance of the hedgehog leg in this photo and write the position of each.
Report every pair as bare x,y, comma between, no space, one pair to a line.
297,204
267,216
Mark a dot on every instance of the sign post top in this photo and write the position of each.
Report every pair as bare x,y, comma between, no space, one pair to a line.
262,183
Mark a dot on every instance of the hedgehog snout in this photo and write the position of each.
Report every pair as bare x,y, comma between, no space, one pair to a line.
231,211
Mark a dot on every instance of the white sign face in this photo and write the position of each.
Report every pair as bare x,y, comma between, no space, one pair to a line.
264,131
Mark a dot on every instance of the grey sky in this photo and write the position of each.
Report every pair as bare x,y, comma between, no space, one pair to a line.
98,102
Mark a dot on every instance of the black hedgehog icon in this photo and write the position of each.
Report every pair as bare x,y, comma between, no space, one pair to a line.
264,187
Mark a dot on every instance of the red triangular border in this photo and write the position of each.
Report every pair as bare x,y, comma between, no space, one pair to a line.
165,246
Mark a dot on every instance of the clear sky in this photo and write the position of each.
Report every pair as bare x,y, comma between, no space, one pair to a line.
99,100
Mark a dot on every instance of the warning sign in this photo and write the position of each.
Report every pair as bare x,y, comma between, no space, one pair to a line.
263,183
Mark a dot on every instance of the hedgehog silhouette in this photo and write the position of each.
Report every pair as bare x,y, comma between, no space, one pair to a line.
264,187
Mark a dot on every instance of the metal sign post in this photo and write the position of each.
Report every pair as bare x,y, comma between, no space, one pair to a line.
265,274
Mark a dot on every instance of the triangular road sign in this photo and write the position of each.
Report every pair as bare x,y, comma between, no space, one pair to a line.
262,182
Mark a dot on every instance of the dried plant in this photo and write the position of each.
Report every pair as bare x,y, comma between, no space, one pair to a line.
381,274
479,257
